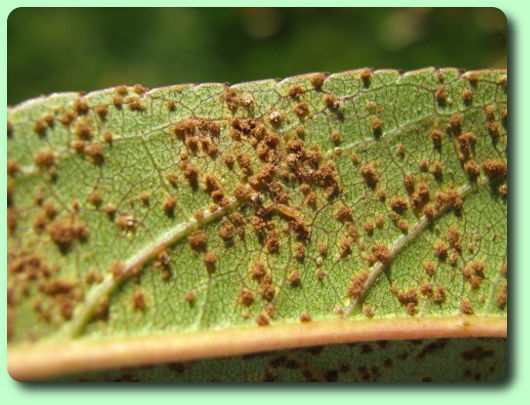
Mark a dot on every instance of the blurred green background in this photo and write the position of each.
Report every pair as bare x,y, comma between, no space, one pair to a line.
83,49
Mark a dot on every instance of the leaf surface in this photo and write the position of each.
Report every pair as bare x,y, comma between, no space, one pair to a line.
317,209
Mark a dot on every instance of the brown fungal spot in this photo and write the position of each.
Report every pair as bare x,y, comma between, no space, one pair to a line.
439,294
13,167
101,110
437,169
58,286
441,95
376,125
50,210
429,267
423,164
368,311
40,126
427,289
319,273
382,252
276,117
437,136
139,89
138,300
466,307
301,109
110,209
368,227
95,198
67,117
331,101
336,137
295,91
135,104
472,168
117,101
317,80
266,288
81,106
78,145
169,204
258,271
64,233
246,297
95,152
305,317
400,150
323,248
501,297
494,168
121,90
44,158
344,214
440,249
403,225
272,241
409,182
107,137
210,259
170,105
453,237
466,142
456,122
294,278
398,204
366,76
262,320
228,160
198,240
145,197
299,251
356,288
190,296
370,174
191,173
226,231
345,247
467,96
472,77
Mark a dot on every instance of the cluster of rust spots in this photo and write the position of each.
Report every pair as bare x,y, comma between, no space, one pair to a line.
494,168
381,251
409,298
65,232
357,286
473,272
162,261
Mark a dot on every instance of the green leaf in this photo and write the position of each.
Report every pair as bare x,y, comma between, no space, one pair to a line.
430,360
198,221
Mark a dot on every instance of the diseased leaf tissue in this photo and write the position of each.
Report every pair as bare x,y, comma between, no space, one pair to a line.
360,195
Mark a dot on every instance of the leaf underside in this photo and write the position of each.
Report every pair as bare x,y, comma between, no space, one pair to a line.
362,195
